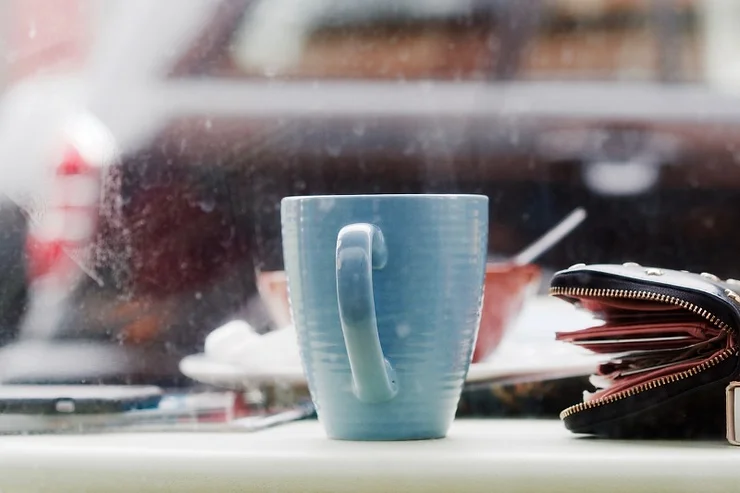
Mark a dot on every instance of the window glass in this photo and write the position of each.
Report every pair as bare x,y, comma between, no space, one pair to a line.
146,146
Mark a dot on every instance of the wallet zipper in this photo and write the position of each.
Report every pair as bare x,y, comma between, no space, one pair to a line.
645,296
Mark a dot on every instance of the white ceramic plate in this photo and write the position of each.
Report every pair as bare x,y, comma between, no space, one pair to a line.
229,376
529,353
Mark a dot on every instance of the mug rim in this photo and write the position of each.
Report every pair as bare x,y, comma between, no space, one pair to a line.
414,196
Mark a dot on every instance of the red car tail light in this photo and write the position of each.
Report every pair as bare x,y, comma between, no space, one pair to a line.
70,221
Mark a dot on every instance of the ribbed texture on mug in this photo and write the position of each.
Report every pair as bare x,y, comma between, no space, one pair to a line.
428,304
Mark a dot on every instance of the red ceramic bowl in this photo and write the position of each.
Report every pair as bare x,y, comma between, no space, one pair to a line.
507,286
273,289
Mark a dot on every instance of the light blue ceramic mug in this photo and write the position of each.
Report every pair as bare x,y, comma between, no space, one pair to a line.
386,294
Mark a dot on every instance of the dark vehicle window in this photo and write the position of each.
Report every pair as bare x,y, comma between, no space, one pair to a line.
541,40
626,40
383,40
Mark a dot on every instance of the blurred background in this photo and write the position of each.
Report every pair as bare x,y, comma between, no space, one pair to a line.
145,146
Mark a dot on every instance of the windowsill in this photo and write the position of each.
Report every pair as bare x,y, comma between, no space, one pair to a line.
478,455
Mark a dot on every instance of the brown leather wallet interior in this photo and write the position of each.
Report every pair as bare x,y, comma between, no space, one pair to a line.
644,341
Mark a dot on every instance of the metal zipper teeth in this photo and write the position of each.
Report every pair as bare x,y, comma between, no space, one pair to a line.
639,295
658,382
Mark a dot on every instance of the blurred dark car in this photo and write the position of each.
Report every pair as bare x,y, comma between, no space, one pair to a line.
13,273
543,106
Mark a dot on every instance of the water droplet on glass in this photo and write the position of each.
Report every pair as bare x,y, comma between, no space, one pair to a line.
326,205
207,205
334,150
403,330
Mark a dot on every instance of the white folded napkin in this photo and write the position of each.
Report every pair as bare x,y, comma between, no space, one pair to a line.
236,343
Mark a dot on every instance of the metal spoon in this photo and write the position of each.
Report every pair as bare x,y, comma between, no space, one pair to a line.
549,239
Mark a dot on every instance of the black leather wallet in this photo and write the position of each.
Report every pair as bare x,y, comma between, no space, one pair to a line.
670,343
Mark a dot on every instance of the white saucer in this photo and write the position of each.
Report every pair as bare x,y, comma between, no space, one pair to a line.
232,377
529,353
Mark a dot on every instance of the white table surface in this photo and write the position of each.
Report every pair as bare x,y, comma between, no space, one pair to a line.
486,456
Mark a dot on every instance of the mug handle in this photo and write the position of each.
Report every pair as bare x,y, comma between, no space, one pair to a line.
360,249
